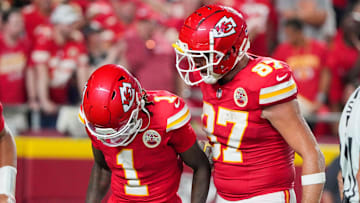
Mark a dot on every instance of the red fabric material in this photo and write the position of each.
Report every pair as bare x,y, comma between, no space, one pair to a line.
32,19
340,60
154,67
62,61
13,64
159,167
266,159
340,3
306,63
262,15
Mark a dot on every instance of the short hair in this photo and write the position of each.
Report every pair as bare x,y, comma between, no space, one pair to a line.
295,23
7,13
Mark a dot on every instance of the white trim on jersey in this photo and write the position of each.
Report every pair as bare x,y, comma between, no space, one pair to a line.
277,92
286,196
349,135
179,119
40,56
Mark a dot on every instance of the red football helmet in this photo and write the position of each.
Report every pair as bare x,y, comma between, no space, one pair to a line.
215,35
112,99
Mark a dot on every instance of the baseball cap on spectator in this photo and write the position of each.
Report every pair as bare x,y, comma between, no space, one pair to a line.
64,14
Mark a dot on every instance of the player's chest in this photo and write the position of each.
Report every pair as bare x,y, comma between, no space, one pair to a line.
146,150
239,95
232,111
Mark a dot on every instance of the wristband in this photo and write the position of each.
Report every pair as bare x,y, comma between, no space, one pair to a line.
315,178
8,181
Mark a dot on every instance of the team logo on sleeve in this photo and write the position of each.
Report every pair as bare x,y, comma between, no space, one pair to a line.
225,27
151,139
240,97
127,96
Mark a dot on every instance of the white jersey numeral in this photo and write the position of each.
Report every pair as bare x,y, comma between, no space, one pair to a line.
133,187
239,120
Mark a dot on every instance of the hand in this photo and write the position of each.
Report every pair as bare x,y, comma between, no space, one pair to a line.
206,147
34,105
306,9
6,199
49,107
340,185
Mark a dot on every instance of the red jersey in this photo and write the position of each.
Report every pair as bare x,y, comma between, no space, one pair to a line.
13,62
102,12
306,63
340,60
62,60
250,156
144,62
33,18
260,15
2,122
149,168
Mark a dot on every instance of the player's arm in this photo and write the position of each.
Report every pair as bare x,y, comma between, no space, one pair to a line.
99,179
286,118
7,166
197,160
183,139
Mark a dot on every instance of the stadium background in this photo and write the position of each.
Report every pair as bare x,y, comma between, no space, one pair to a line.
54,154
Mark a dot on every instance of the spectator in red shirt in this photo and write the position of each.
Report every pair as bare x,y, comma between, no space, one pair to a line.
261,18
99,53
148,53
35,14
59,54
17,85
306,57
344,58
105,12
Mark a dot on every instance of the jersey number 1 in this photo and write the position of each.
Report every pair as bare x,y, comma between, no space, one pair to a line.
239,119
133,187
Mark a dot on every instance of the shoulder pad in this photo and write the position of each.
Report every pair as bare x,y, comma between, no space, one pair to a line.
278,84
175,109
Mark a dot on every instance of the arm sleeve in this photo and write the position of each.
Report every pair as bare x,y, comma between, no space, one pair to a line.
182,138
280,87
42,46
180,117
2,122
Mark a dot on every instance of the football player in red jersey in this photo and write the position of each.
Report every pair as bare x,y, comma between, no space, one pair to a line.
250,112
137,137
7,163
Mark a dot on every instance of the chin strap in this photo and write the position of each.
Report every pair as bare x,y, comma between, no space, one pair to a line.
143,108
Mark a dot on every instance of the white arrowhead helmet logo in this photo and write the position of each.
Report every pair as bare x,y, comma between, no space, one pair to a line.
225,27
127,96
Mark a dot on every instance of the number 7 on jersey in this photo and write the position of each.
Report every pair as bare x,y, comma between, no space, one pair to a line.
225,116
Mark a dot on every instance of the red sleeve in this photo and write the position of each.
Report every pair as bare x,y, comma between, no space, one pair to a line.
2,122
279,86
182,138
42,48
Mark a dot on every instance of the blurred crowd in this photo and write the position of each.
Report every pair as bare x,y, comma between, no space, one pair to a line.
48,48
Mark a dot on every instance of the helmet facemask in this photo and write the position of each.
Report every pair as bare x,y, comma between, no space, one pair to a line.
121,136
186,61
